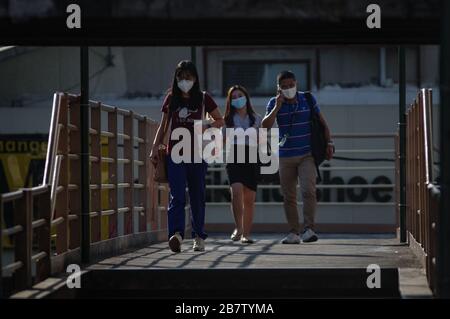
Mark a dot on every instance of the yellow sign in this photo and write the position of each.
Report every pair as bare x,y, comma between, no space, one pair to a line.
22,163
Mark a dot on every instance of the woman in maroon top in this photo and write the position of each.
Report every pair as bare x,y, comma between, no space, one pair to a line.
182,106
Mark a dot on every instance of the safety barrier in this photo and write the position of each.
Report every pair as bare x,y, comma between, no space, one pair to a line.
422,195
52,212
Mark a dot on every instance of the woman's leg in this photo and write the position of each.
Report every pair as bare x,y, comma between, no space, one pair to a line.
177,182
249,208
237,205
196,173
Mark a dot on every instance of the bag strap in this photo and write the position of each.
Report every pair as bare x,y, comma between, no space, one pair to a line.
203,106
309,101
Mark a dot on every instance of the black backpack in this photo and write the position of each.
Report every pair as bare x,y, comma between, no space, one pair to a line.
318,140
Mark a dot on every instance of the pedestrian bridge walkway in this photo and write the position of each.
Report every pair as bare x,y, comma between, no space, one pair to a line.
331,251
117,232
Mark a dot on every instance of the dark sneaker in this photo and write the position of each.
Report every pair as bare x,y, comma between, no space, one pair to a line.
175,243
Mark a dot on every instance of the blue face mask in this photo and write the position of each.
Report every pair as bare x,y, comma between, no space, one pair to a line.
239,103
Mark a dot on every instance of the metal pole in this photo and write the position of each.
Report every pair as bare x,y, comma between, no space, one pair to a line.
194,55
84,128
443,224
402,140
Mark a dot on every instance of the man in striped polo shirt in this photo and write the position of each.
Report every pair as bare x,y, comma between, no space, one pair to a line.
291,110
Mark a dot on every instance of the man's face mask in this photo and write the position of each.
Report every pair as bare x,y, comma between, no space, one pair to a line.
290,93
185,85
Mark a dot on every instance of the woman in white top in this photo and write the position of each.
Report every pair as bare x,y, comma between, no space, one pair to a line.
243,176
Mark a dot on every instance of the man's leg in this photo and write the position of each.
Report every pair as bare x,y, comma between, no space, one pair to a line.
307,174
288,183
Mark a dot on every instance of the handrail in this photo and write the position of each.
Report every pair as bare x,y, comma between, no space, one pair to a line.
422,195
427,120
57,198
52,140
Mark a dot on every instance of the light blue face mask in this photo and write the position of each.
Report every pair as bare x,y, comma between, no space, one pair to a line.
239,103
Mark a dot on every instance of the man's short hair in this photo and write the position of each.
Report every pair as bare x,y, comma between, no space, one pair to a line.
285,75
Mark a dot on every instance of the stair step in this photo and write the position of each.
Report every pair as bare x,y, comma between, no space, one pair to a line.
237,283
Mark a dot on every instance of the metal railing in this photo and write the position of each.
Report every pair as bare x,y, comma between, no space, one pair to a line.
390,152
22,231
58,209
422,195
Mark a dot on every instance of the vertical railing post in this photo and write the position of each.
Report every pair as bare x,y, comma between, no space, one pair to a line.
402,139
43,266
153,186
421,179
407,168
96,172
23,240
397,180
62,200
112,172
163,212
84,156
75,174
143,151
418,173
415,173
128,168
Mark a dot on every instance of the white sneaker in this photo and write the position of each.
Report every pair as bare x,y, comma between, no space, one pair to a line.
175,242
199,244
309,236
291,239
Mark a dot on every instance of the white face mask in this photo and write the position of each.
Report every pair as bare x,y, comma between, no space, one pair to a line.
290,93
185,85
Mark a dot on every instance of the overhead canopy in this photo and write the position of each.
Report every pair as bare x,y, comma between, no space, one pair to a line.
187,22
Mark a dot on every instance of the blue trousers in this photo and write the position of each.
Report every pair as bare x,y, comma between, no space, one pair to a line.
192,175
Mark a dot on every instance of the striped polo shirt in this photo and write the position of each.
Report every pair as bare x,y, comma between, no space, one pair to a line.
298,142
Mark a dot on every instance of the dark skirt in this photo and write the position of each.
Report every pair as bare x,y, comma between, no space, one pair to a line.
246,173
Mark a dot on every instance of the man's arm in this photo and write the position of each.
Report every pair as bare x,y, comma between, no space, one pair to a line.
330,148
269,119
327,129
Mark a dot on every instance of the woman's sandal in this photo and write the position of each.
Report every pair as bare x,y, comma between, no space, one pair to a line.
247,240
235,236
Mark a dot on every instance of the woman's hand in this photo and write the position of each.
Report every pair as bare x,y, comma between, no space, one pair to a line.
154,154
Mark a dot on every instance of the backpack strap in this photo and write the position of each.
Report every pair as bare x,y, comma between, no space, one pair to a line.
309,100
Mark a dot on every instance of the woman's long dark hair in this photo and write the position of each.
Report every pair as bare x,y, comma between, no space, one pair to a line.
230,111
195,94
